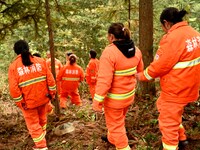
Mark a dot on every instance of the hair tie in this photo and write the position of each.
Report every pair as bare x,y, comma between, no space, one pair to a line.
123,29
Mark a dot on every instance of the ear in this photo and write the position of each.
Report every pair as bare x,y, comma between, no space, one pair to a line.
112,37
167,24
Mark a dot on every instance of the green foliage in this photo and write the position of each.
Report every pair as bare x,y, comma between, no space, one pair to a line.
77,25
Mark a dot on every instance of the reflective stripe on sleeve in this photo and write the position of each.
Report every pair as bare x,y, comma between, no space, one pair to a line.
130,71
187,64
169,147
147,75
121,96
44,127
18,99
32,81
52,88
70,79
98,98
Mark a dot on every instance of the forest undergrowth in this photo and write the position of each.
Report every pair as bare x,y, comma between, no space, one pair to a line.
141,125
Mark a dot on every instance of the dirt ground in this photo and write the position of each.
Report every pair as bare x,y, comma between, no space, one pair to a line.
141,124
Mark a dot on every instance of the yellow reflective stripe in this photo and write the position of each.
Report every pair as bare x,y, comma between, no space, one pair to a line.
44,127
98,98
40,138
130,71
126,148
169,147
18,99
121,96
52,88
32,81
187,64
70,79
147,75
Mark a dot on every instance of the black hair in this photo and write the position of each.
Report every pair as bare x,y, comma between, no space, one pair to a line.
119,31
21,47
69,53
172,15
37,55
72,59
93,53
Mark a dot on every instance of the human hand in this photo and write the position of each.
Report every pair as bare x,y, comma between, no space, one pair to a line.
97,106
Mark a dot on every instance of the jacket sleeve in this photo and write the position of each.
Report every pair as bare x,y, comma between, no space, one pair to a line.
51,82
105,75
166,57
15,91
140,66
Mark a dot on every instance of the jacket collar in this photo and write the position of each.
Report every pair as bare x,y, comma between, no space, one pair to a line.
18,56
177,25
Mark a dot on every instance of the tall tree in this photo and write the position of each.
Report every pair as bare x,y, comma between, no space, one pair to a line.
146,40
51,44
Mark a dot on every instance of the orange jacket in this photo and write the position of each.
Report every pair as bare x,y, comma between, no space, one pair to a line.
92,71
177,63
30,85
70,77
116,78
58,65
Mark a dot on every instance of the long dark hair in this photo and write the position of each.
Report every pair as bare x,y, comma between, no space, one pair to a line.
21,47
119,31
172,15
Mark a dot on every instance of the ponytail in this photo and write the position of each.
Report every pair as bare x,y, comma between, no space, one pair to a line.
26,58
182,13
127,34
21,47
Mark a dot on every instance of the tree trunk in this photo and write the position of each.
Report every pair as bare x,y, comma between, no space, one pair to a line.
146,40
51,43
129,14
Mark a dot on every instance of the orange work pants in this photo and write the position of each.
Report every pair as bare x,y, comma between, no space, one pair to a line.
36,121
74,96
92,89
115,122
170,123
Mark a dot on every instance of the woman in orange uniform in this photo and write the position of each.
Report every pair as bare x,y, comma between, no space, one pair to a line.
92,71
116,82
30,83
177,63
70,76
